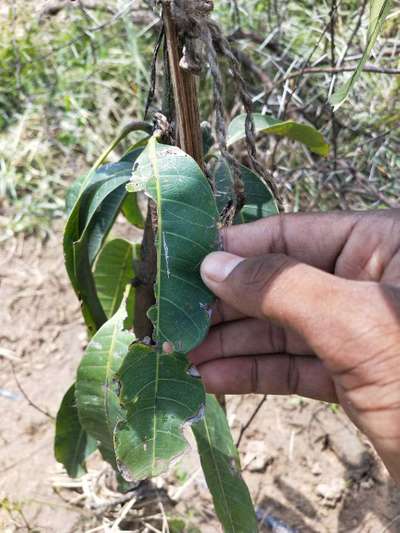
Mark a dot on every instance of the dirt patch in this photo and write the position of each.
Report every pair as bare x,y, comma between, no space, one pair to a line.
307,467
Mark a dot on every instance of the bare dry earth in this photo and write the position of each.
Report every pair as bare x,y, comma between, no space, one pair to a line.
304,462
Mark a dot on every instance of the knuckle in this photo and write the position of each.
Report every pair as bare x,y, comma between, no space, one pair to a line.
261,273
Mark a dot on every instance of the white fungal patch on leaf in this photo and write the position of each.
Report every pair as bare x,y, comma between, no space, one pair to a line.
96,345
166,254
207,308
197,417
192,371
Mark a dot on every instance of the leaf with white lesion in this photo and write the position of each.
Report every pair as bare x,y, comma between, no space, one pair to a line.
187,219
160,397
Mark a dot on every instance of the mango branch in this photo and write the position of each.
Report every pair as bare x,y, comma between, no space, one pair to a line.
188,132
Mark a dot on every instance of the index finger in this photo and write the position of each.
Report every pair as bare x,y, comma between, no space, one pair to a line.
313,238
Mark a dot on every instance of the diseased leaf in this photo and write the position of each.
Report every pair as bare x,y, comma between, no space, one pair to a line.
379,10
96,388
259,200
187,219
160,398
303,133
114,270
72,445
221,467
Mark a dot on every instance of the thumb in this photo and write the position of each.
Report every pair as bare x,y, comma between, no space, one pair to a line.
318,305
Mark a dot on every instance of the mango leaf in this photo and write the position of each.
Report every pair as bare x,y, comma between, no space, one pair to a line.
160,398
303,133
221,467
73,192
207,137
259,200
379,10
130,206
78,219
187,219
72,445
86,248
114,270
89,222
131,210
96,388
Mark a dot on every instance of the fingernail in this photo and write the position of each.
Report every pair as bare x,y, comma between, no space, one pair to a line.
167,347
192,371
217,266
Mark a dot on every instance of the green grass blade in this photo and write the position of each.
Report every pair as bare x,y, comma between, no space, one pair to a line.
221,467
379,10
72,445
303,133
160,398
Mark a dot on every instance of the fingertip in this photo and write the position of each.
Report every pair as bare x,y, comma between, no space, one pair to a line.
211,378
217,266
167,347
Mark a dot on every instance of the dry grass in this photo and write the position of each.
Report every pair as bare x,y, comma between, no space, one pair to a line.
70,81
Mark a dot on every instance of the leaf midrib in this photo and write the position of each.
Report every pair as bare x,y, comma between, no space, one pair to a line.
153,160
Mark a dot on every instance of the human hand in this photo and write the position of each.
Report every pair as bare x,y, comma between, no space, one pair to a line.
310,305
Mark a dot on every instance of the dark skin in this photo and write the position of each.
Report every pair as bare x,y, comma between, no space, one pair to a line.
310,305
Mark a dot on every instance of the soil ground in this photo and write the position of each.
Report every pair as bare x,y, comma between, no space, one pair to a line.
308,469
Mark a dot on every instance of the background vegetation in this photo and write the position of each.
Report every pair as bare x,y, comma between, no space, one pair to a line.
74,72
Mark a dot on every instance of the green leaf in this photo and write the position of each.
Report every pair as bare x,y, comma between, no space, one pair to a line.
187,219
303,133
73,192
114,270
207,137
130,207
259,200
72,445
379,10
131,210
96,388
80,216
160,398
221,467
88,225
101,213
